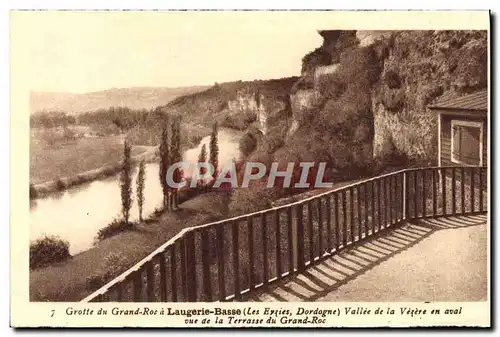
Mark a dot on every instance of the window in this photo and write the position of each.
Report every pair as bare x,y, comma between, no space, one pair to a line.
466,142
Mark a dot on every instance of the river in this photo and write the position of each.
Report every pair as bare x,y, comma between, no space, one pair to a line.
77,214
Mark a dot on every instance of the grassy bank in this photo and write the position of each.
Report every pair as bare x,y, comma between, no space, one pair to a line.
69,158
67,281
70,163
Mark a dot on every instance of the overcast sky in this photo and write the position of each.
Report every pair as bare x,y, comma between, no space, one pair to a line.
88,51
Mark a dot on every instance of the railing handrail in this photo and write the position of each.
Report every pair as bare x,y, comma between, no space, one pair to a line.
136,267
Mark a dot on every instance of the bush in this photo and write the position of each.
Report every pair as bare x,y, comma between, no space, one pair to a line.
47,250
393,100
60,185
239,121
115,227
392,80
33,192
114,264
248,143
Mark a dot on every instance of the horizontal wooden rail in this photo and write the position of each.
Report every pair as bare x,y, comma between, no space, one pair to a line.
227,259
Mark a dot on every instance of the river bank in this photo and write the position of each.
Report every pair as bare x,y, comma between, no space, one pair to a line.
146,153
68,281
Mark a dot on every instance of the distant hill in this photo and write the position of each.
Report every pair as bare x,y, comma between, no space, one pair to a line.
134,98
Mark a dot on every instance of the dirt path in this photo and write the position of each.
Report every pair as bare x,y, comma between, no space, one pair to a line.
431,260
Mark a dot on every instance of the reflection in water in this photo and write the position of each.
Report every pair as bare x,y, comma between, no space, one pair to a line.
77,214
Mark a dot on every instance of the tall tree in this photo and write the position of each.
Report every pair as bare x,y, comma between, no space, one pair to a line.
175,155
202,158
164,161
126,181
141,177
214,150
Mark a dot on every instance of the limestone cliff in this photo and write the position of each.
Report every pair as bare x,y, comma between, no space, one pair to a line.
399,73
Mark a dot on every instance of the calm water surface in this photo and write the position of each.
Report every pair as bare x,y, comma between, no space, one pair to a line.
78,213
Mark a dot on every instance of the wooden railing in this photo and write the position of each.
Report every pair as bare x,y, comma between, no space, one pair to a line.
225,260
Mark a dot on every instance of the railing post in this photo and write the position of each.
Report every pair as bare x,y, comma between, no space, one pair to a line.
406,199
279,269
163,278
300,238
251,256
481,207
453,191
236,259
137,286
173,272
150,275
205,259
337,221
265,256
472,189
435,184
328,200
310,231
320,228
292,240
220,262
424,194
190,266
443,183
462,189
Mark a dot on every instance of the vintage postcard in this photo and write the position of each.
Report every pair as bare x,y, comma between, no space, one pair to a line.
250,168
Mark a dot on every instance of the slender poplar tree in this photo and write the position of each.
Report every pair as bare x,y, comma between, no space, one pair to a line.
141,177
126,181
164,162
176,156
202,158
214,150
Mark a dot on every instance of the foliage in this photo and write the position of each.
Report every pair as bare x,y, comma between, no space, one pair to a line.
318,57
33,192
113,265
175,153
202,158
248,143
51,119
164,161
60,185
240,120
214,150
420,67
126,182
47,250
141,176
115,227
392,79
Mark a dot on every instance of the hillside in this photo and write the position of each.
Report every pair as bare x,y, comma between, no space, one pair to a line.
405,70
133,98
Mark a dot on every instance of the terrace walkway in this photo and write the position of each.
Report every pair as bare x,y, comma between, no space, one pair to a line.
435,259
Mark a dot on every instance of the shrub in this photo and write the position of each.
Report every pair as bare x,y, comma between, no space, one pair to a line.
248,143
115,227
60,185
47,250
33,192
393,100
114,264
392,80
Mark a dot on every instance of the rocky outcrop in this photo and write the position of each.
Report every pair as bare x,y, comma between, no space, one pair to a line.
375,86
418,68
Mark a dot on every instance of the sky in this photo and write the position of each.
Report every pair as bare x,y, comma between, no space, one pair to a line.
89,51
84,51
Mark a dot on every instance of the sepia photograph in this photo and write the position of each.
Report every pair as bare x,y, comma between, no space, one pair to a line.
229,157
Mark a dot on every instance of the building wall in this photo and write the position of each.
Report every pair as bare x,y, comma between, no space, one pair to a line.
446,138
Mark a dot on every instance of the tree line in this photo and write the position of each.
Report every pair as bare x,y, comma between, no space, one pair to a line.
169,154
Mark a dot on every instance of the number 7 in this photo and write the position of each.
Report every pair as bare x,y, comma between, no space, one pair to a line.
53,312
